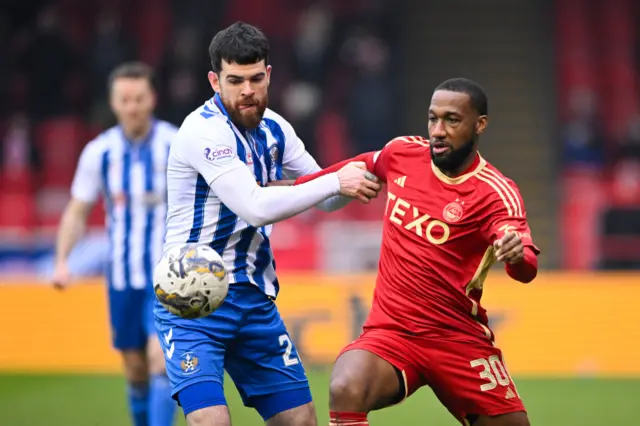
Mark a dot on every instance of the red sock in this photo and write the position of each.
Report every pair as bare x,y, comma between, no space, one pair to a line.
349,419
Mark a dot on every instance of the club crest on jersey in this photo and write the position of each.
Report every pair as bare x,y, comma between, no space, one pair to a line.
219,154
273,153
189,363
249,158
453,211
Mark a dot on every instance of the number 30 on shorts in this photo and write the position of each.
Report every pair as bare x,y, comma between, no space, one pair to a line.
493,372
288,359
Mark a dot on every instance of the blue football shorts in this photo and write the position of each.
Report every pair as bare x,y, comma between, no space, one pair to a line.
246,337
131,316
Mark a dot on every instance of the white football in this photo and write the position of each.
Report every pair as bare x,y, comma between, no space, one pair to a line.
190,280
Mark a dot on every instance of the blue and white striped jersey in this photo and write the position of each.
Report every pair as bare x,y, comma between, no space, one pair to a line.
132,179
207,146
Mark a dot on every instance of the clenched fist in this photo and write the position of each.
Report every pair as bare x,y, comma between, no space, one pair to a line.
509,248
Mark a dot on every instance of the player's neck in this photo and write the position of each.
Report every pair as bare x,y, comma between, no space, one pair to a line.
138,135
467,165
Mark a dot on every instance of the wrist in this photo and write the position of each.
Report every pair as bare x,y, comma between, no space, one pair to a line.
60,262
336,187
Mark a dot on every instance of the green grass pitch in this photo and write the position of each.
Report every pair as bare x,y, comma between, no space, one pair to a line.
99,400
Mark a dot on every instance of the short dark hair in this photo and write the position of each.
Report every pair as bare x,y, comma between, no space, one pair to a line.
241,43
131,70
471,88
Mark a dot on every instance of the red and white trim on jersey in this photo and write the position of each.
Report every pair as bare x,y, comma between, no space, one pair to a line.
412,139
504,190
462,178
406,139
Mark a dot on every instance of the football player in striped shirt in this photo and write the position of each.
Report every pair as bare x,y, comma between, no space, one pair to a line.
224,156
126,165
450,215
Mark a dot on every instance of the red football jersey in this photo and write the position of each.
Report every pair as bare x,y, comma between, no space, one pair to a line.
437,244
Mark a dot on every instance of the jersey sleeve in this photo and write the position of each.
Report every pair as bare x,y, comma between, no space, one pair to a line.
377,162
211,151
87,181
260,206
507,213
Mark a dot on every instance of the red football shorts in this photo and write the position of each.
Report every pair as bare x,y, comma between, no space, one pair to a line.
468,378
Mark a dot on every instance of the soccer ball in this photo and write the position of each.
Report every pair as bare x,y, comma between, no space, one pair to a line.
190,281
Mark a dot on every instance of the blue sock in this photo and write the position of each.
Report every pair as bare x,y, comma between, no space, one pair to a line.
162,407
139,403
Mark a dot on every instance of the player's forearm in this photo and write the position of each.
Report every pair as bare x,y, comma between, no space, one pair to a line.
329,205
271,205
72,227
366,157
334,203
525,270
263,206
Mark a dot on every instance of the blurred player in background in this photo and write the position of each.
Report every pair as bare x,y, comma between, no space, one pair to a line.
127,164
449,216
224,155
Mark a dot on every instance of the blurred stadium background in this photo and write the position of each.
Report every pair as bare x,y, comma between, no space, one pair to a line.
563,81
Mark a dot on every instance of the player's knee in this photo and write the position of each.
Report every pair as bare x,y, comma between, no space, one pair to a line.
209,416
304,415
347,395
155,357
520,420
517,419
135,366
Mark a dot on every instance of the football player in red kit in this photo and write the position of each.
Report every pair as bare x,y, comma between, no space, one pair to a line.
450,215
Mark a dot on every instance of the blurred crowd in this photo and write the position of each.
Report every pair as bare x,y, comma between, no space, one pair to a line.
598,53
331,62
335,77
600,87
